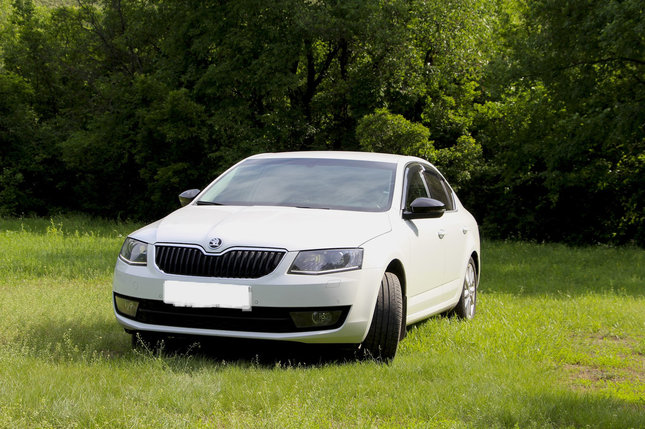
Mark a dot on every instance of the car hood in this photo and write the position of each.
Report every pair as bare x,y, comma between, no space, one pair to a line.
287,228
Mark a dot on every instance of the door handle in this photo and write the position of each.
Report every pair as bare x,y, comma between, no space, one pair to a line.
465,230
441,233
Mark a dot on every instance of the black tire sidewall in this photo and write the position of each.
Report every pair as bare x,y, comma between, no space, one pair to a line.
383,336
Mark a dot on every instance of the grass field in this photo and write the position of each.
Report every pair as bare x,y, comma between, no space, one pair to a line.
558,341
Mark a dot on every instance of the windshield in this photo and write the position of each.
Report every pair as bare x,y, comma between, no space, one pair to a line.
308,183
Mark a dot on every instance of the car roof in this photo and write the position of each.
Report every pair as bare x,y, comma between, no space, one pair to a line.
361,156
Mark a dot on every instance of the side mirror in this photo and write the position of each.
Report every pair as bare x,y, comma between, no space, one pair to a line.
187,196
424,208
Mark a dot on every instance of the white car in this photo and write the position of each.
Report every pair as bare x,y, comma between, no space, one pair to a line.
314,247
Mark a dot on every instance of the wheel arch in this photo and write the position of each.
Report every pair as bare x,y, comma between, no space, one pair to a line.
396,267
475,256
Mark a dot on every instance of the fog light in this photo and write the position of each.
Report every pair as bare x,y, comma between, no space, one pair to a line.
311,319
321,318
126,306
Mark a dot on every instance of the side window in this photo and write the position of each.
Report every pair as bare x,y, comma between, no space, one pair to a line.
439,190
415,187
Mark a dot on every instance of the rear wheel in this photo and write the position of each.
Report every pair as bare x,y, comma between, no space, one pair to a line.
467,302
383,337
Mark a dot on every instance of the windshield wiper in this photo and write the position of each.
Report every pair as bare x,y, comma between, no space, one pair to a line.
308,207
208,203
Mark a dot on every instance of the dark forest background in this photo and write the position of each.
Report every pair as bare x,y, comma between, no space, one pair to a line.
534,110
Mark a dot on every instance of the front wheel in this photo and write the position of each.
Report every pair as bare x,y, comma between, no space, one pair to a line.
467,302
383,337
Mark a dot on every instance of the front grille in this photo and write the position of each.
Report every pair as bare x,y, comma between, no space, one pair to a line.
259,319
239,264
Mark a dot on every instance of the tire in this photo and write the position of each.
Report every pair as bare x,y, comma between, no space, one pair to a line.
383,337
467,304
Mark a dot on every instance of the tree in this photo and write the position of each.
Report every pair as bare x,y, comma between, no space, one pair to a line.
569,138
385,132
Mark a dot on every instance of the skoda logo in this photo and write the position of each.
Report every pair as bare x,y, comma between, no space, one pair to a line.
215,243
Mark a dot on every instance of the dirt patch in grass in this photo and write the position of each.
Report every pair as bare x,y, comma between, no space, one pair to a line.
584,377
625,373
602,339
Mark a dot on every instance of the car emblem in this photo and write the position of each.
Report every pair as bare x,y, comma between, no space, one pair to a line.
215,243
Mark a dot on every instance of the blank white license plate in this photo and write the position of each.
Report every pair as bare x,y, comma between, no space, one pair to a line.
204,295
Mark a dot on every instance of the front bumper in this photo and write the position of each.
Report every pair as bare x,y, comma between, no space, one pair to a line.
273,298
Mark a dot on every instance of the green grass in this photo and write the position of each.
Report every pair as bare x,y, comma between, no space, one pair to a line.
558,341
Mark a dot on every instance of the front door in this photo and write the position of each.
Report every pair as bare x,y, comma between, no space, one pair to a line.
426,269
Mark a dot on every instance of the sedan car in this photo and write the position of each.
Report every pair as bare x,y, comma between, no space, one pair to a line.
313,247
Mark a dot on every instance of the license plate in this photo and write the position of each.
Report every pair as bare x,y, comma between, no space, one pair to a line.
206,295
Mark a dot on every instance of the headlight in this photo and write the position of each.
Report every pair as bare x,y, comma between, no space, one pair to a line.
134,252
327,261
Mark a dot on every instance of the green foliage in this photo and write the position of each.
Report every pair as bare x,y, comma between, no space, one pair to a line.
567,137
462,163
385,132
534,109
17,147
